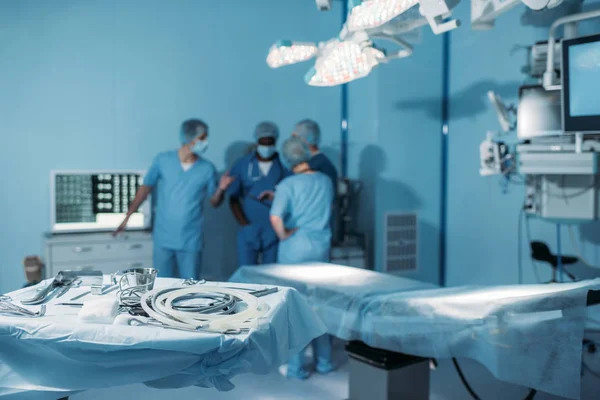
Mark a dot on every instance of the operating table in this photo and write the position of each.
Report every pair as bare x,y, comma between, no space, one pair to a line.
529,335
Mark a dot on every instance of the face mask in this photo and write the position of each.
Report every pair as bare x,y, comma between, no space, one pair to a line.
265,151
200,147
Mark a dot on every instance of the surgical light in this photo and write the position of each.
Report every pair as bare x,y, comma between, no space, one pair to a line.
379,54
342,62
371,14
286,52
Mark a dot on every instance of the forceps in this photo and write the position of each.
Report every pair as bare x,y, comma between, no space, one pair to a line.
7,307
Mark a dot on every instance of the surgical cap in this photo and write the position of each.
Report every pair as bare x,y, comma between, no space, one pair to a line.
294,152
191,129
309,130
266,130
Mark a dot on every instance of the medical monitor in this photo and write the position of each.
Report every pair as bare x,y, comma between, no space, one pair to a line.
95,201
538,113
581,84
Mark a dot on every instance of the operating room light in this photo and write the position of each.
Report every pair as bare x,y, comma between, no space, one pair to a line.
286,52
370,14
379,54
343,62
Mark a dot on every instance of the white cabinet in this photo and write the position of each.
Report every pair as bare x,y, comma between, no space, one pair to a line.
99,251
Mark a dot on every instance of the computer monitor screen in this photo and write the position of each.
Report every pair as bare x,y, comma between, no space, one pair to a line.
539,112
95,201
581,84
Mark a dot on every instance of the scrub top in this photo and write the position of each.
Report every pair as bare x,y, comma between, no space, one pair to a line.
320,162
179,200
303,201
248,184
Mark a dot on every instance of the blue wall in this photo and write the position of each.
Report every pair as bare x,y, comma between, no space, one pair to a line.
394,148
105,85
483,222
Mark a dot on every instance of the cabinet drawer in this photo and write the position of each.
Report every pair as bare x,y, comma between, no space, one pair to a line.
100,251
106,267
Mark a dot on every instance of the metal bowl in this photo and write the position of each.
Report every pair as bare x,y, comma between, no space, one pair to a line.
135,277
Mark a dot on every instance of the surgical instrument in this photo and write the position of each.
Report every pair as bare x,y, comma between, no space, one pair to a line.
64,279
133,283
60,281
256,293
159,305
66,288
221,304
190,281
8,308
79,296
152,322
265,292
102,292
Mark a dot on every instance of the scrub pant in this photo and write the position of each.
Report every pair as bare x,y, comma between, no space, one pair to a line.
177,264
322,357
248,254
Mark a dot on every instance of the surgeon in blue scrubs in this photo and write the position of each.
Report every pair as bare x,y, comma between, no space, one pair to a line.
182,180
310,132
254,174
300,216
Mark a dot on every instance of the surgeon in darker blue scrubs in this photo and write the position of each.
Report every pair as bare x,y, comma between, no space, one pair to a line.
253,175
181,179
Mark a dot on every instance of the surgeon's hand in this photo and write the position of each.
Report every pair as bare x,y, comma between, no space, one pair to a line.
288,234
226,181
121,227
267,195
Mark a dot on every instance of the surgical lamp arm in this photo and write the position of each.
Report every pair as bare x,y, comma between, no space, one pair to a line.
549,76
483,13
405,52
436,12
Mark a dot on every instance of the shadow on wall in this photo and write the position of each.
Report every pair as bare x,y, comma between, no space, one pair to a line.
333,154
590,233
378,196
469,102
428,252
220,255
